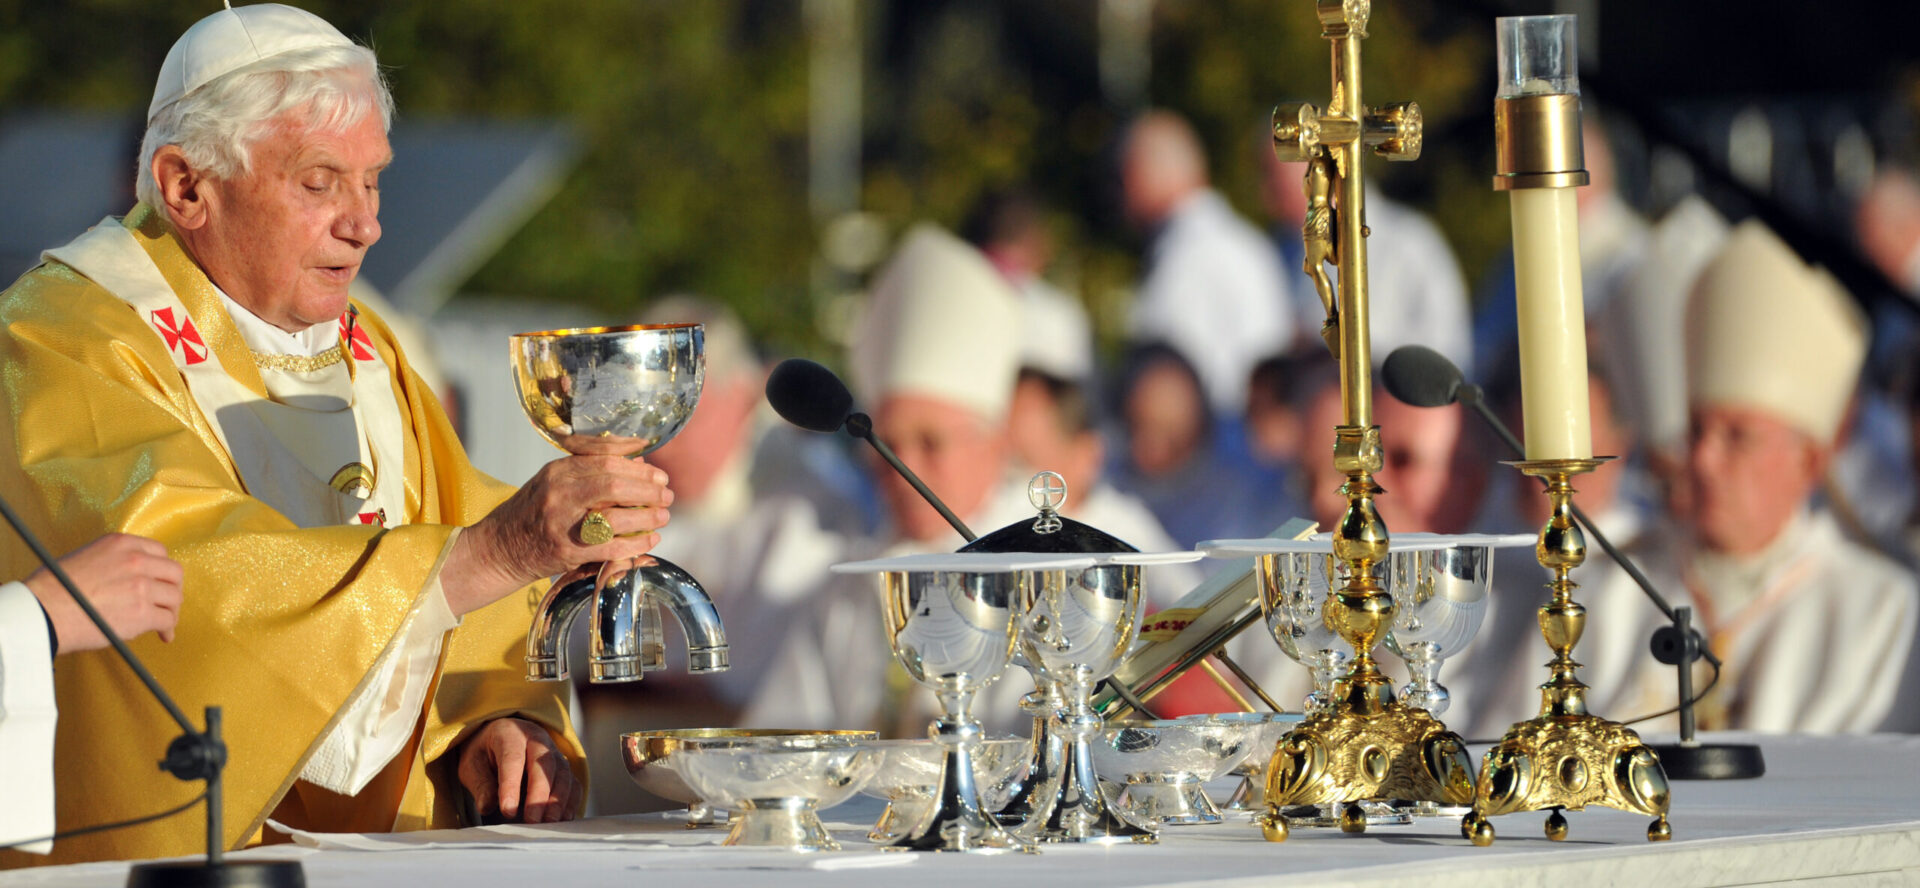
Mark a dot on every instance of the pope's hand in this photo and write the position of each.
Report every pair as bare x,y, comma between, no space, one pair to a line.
129,579
508,755
537,532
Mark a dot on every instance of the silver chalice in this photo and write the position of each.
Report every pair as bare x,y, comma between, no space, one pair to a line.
620,391
1440,598
950,621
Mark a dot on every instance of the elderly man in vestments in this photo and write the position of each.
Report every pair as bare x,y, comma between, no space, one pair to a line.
356,594
1813,628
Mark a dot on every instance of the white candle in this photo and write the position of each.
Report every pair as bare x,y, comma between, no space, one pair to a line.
1553,331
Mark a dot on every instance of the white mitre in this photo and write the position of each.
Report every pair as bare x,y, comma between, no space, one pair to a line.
1767,331
941,323
1644,326
231,39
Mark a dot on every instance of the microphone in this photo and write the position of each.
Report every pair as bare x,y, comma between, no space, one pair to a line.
1421,377
812,397
194,755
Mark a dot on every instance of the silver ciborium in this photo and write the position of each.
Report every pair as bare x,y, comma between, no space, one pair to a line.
620,391
950,621
1440,598
1251,793
779,790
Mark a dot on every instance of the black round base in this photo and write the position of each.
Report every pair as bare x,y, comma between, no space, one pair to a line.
239,874
1710,761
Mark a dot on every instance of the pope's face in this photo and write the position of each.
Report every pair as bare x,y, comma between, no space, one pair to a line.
287,236
1747,473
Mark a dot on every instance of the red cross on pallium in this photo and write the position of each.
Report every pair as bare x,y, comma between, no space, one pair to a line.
377,518
180,335
359,345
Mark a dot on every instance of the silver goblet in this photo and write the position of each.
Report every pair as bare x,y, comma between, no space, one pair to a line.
1440,598
1080,624
950,622
620,391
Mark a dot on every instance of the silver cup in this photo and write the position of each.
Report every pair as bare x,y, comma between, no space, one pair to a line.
1293,594
1441,599
953,631
1080,624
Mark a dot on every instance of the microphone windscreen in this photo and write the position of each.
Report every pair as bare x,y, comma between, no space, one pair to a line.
809,395
1421,377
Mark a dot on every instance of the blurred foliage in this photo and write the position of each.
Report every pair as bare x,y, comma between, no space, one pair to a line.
693,119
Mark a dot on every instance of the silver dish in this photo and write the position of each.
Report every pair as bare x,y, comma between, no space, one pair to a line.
653,758
1158,769
779,791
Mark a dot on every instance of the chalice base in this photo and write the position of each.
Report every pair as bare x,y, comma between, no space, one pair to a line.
789,823
958,821
1077,811
1567,762
1250,795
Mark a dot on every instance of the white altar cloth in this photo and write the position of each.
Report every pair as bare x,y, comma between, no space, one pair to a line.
1831,810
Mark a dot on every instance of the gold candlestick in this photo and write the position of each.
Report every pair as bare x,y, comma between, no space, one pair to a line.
1566,758
1365,746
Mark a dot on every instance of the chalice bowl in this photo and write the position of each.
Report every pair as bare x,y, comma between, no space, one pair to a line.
950,621
619,391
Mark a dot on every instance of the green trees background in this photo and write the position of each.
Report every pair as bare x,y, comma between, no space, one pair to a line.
693,119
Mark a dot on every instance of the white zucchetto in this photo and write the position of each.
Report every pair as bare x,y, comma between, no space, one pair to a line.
1766,330
941,323
231,39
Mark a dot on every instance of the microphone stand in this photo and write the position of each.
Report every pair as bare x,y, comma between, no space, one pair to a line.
1676,645
194,755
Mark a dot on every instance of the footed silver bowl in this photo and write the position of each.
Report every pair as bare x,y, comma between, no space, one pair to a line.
653,758
1158,769
909,776
1251,794
779,791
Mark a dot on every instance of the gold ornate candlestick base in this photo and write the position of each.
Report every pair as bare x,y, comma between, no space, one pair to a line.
1365,746
1566,758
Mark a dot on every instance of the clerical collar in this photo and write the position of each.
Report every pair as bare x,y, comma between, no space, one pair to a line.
319,342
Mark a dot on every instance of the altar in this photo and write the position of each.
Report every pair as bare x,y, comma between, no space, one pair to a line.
1831,810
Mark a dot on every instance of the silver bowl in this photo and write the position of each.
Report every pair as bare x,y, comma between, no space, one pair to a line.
910,774
779,791
653,758
1251,794
1158,769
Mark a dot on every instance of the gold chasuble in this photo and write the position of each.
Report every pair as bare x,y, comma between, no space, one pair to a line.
281,624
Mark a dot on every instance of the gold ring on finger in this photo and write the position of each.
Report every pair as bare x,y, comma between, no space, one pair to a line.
595,529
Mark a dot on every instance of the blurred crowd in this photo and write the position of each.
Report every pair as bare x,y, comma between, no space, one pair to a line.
1761,477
